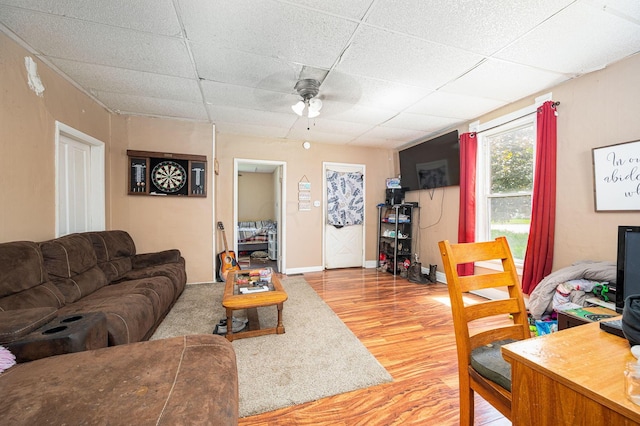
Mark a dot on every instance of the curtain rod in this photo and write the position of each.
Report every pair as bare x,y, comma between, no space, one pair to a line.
555,104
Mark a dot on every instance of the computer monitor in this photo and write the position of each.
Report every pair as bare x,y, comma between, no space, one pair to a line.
628,264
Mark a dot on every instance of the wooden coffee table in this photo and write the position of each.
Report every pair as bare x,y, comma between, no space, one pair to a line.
233,300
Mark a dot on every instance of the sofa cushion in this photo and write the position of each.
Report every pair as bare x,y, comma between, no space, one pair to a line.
21,267
81,285
16,324
72,265
145,260
43,295
68,256
182,380
158,290
114,250
130,317
114,270
174,271
111,245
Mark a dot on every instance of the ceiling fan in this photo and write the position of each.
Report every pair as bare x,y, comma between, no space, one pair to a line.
308,89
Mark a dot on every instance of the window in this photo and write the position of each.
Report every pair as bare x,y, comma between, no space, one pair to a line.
506,155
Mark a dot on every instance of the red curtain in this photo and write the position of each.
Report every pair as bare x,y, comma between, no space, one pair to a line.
467,218
538,259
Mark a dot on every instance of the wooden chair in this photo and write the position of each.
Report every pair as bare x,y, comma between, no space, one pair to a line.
478,345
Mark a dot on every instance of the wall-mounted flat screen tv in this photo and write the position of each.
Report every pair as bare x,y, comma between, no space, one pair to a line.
431,164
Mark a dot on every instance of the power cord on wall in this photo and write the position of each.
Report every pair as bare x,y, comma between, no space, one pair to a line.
420,228
432,192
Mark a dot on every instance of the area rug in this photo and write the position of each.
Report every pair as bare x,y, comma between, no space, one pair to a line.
316,357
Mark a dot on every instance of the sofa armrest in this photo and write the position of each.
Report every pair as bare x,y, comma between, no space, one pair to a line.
17,323
145,260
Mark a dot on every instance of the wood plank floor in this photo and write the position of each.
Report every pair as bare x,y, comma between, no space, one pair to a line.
408,328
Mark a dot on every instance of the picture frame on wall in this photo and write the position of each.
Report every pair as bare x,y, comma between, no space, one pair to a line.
616,177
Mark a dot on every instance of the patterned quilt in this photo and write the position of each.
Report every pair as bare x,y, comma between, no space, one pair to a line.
255,231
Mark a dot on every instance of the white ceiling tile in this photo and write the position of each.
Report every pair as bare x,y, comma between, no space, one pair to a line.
367,140
99,44
626,9
392,133
443,104
395,57
331,126
253,117
247,97
315,135
354,9
571,34
370,92
268,28
424,123
357,113
504,81
413,69
119,80
481,26
246,69
154,16
130,104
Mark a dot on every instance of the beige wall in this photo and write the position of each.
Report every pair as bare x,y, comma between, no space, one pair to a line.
598,109
27,131
256,196
304,229
158,223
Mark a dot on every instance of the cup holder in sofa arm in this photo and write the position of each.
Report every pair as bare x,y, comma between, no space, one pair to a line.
55,330
63,335
72,319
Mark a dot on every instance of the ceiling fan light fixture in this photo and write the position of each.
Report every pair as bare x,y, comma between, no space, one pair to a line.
308,90
315,104
298,107
313,113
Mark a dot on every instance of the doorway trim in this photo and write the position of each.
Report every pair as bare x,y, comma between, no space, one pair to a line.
282,225
97,214
328,166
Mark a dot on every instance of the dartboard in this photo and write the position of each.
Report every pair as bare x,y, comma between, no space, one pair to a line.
169,176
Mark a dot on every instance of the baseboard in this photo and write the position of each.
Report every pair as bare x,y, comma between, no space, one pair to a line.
297,271
370,264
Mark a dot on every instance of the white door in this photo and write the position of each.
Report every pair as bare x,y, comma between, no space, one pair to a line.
343,246
74,186
80,183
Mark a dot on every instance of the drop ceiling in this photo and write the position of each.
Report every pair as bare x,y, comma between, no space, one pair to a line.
392,72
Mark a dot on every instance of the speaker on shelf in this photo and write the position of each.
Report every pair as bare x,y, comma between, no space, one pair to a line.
395,196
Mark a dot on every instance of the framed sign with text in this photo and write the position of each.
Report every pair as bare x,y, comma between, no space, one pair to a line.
616,173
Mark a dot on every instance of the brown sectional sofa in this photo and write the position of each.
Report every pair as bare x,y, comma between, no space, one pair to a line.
85,273
82,293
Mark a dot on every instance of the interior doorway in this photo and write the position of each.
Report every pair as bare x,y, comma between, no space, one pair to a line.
259,203
344,242
80,181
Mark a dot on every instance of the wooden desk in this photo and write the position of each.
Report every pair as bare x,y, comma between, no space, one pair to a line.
572,377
